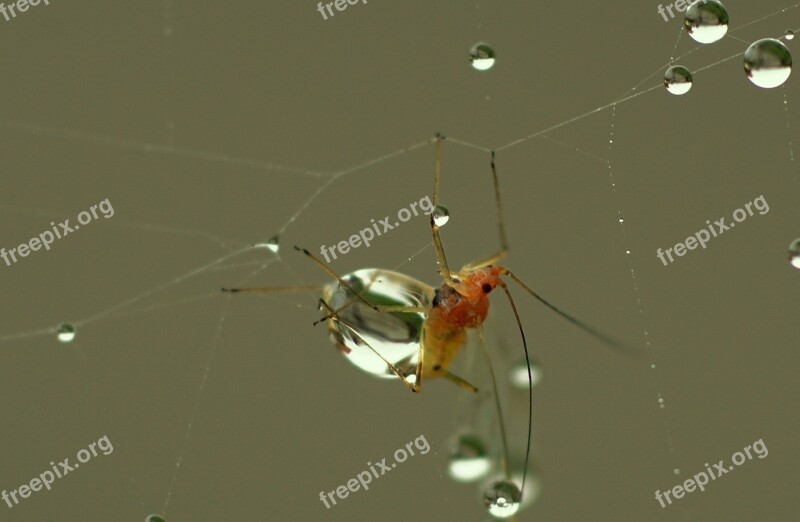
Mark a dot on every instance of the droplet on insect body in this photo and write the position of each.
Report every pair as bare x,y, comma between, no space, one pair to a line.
154,518
767,63
441,215
272,244
518,376
359,328
469,460
789,34
794,253
65,333
706,21
678,80
502,499
482,57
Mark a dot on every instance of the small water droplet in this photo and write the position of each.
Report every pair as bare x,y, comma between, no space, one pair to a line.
66,333
468,459
441,215
794,253
789,34
272,244
660,401
652,366
678,80
767,63
518,376
706,21
627,251
502,499
676,471
621,220
154,518
482,57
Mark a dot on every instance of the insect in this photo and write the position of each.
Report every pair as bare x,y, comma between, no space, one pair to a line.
393,326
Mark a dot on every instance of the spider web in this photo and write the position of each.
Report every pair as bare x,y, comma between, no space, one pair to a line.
224,407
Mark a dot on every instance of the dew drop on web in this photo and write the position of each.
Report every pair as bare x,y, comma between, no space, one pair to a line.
468,461
768,63
65,333
678,80
794,253
706,21
481,56
502,499
272,244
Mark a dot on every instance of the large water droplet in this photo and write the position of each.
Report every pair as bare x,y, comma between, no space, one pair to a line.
482,57
706,21
441,215
360,331
468,459
518,376
789,34
794,253
154,518
768,63
502,499
65,333
272,244
678,80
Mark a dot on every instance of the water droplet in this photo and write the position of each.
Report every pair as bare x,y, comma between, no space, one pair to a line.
482,57
66,333
272,244
676,471
154,518
360,329
502,499
660,401
768,63
794,253
468,459
789,34
621,220
678,80
627,251
518,376
441,215
652,366
706,21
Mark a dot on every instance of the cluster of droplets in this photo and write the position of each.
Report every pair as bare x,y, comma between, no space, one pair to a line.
767,62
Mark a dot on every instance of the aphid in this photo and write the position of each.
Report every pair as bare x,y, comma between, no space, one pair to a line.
394,326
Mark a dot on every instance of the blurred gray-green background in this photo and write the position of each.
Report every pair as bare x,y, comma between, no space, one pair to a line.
236,408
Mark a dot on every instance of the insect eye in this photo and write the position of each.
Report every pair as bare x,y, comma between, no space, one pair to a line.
486,287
